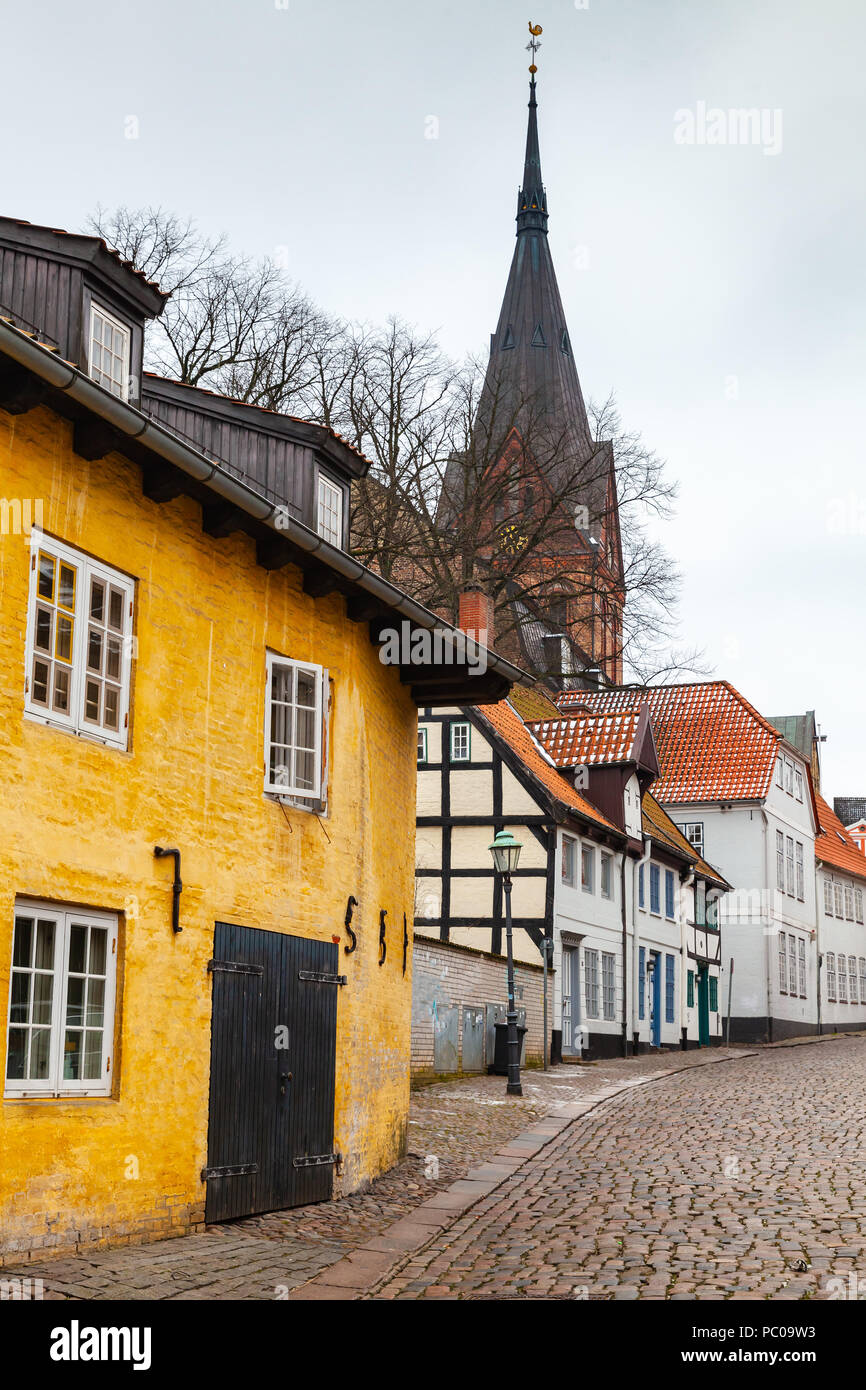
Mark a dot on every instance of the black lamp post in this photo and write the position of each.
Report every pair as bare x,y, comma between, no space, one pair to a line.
506,852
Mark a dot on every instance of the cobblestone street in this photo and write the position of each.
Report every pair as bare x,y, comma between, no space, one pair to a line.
736,1181
711,1182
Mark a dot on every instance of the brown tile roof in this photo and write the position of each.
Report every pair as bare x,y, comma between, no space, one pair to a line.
712,744
508,724
658,824
589,738
833,844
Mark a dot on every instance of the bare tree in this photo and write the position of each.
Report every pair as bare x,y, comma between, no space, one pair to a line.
237,326
467,482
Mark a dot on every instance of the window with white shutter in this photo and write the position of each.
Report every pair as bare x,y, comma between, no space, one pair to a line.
828,895
792,964
783,963
789,858
780,861
852,979
801,877
801,961
590,975
831,976
842,978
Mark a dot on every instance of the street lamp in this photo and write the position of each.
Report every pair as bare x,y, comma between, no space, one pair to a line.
506,852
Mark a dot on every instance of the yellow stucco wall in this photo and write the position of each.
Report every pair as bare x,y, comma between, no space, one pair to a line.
78,822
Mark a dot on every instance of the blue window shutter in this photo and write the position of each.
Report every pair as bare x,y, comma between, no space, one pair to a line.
669,893
670,966
640,890
655,875
641,974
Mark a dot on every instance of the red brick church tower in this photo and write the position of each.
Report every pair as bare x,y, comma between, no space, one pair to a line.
580,593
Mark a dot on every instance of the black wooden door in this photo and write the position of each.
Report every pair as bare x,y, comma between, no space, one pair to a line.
273,1060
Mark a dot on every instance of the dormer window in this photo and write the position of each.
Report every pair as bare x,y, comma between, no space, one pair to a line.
330,515
108,358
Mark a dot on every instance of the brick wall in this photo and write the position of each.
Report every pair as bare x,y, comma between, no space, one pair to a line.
448,975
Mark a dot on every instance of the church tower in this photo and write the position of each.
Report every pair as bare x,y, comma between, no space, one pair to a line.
531,373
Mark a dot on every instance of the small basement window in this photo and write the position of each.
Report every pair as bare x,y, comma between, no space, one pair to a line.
108,358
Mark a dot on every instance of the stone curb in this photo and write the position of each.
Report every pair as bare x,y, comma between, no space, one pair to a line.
368,1267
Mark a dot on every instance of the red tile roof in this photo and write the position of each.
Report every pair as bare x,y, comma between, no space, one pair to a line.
588,738
508,724
712,744
833,844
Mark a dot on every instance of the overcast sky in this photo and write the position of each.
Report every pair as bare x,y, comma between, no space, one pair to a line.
718,289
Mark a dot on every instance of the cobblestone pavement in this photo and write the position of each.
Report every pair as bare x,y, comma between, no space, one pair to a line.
459,1123
733,1181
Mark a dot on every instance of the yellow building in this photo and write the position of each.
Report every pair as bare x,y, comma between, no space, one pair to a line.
190,662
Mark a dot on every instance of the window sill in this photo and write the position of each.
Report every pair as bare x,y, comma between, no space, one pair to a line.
83,735
63,1098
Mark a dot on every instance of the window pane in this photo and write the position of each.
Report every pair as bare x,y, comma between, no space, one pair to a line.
16,1061
43,989
94,650
305,736
43,629
93,1055
72,1057
97,600
304,769
112,660
77,949
63,650
306,689
279,766
115,610
40,1051
281,724
111,715
281,683
98,950
91,700
45,945
61,690
95,1003
40,682
19,1005
46,577
75,1001
22,952
66,587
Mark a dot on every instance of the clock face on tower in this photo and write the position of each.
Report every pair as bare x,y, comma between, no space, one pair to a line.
512,540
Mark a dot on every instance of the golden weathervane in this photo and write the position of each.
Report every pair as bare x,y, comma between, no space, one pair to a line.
534,44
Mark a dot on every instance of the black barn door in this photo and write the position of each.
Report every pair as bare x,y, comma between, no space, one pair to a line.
273,1060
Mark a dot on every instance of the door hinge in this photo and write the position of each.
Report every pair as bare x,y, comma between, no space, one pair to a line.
230,1170
316,1160
235,967
322,977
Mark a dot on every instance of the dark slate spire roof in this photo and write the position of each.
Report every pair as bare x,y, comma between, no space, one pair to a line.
531,358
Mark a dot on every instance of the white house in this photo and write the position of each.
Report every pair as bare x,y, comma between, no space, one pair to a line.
742,796
841,939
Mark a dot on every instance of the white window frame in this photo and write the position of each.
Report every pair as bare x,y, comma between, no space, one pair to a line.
456,733
801,962
693,831
569,861
329,501
853,996
55,1084
607,867
780,773
862,964
800,867
86,570
608,986
849,902
828,895
831,977
783,963
587,856
422,746
842,978
792,965
789,777
780,861
590,977
858,908
789,862
286,790
798,783
97,374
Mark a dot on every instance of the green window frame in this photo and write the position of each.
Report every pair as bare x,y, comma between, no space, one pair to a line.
690,989
714,994
461,742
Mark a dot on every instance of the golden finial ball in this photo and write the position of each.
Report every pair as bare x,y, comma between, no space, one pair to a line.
533,68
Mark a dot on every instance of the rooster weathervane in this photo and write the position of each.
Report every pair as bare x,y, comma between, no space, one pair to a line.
534,44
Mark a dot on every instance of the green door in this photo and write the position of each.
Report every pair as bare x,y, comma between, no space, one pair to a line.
703,1006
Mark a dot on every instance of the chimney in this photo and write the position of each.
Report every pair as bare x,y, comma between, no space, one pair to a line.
475,615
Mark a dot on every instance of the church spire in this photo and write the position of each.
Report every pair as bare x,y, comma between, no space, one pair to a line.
532,199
